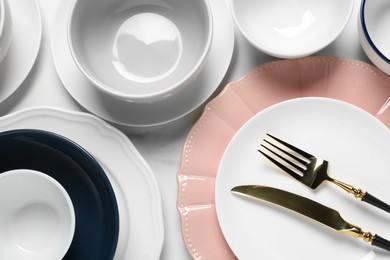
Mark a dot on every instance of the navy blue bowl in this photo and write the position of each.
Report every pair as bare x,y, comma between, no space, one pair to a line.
96,210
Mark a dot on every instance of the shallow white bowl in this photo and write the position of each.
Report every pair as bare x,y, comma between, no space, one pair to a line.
5,28
291,29
373,24
140,51
37,219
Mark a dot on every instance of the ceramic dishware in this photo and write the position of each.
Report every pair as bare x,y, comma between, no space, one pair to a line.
94,201
37,217
140,51
170,110
374,20
353,140
291,29
118,156
25,45
352,81
5,28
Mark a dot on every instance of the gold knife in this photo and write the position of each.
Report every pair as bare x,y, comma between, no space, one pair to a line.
311,209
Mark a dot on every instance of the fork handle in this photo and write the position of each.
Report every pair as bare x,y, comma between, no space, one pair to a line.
364,196
368,198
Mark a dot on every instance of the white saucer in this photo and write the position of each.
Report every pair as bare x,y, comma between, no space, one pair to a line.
141,233
158,113
26,40
357,146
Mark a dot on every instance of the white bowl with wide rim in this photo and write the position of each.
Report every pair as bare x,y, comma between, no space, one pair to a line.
5,28
373,24
37,216
140,51
291,29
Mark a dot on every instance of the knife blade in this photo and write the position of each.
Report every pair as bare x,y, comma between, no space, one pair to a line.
310,209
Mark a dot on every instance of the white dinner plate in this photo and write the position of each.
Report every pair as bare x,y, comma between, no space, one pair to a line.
141,233
146,115
357,146
25,43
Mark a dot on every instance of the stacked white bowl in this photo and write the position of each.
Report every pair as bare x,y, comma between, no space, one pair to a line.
140,51
373,24
5,28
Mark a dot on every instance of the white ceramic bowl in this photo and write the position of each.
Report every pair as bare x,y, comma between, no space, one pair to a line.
37,219
2,17
5,28
140,50
373,24
291,29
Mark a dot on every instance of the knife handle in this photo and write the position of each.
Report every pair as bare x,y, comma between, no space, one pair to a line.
381,242
368,198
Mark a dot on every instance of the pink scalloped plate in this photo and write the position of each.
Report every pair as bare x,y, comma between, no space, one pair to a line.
352,81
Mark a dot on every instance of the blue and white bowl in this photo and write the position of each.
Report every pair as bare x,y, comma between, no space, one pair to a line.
373,26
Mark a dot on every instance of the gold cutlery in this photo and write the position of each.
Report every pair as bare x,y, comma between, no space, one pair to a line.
310,209
309,169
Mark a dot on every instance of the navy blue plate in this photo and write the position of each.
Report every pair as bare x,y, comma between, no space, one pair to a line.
97,218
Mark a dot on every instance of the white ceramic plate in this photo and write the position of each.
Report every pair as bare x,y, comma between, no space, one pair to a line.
25,43
154,114
356,144
141,232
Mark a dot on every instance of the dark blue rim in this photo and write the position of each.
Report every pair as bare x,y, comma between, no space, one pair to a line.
366,34
99,170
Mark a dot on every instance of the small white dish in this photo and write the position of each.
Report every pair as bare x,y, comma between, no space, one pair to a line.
356,144
291,29
140,51
373,24
24,48
37,217
159,113
117,156
5,28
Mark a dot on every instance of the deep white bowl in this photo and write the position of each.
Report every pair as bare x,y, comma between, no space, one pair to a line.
140,51
37,219
291,29
5,28
373,26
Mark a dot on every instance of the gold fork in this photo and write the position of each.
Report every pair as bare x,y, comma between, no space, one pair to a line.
309,169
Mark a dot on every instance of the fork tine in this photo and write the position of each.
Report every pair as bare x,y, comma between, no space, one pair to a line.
303,162
281,166
295,149
284,159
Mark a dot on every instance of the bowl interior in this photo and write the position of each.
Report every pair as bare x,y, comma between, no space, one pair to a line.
37,216
377,20
139,47
291,28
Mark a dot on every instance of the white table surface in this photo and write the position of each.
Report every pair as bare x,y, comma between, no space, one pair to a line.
161,149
